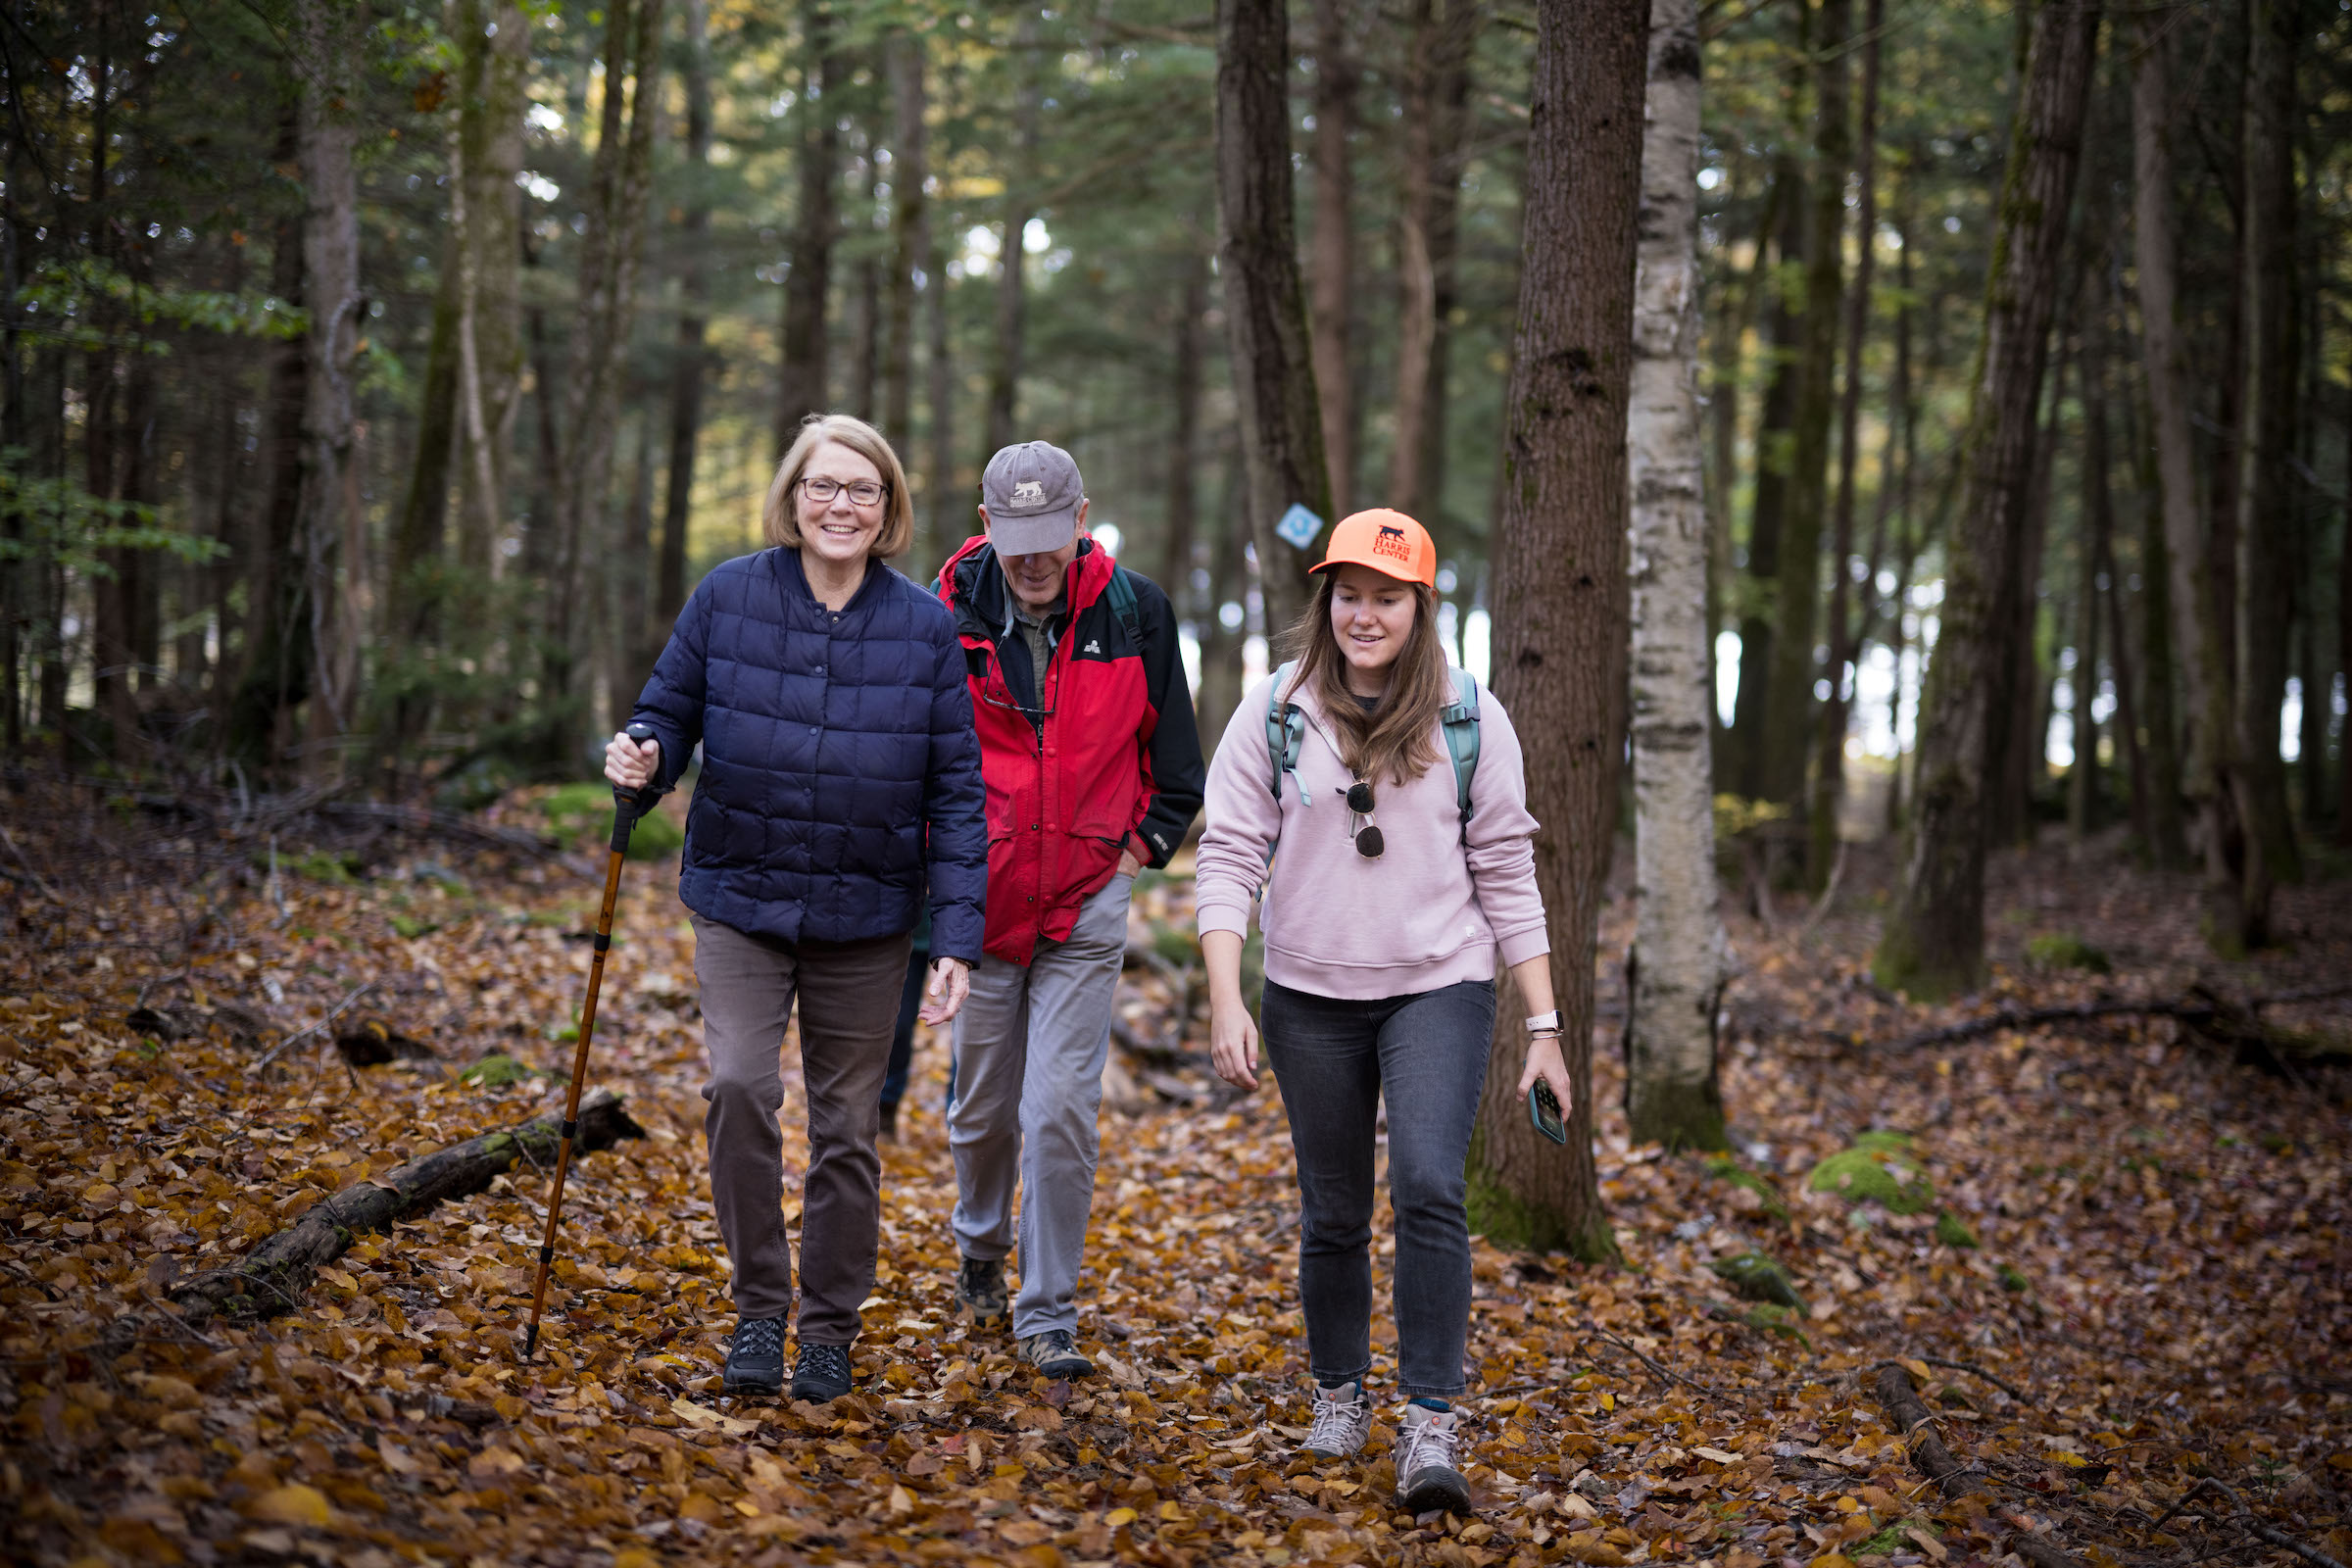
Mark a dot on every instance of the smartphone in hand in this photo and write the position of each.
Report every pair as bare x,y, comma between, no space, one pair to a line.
1544,1109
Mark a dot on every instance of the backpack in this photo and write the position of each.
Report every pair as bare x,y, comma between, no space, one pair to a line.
1286,731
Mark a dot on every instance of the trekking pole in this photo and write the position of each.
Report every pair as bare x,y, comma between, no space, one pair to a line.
627,807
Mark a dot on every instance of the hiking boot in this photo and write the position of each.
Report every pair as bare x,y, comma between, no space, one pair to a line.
1055,1353
980,1292
756,1357
1343,1421
1426,1477
821,1373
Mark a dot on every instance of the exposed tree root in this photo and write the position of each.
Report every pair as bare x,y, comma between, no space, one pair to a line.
2245,1519
2225,1023
1900,1396
270,1277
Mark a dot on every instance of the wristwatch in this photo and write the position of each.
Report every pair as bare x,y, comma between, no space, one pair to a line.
1544,1020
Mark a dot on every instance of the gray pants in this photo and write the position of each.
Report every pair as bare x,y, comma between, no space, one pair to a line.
1029,1047
850,1001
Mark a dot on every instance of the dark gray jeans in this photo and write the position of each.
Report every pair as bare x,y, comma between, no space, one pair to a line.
848,997
1333,1060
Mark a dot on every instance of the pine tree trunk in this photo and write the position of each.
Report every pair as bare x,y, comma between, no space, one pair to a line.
1228,584
1560,574
866,287
490,126
949,509
1331,261
2167,841
1726,349
1004,365
808,278
1845,643
1437,63
2101,503
1451,111
1265,314
2196,598
1935,936
629,573
608,296
1768,505
1184,440
2091,549
2025,757
1789,717
2266,494
646,636
1676,962
327,40
904,58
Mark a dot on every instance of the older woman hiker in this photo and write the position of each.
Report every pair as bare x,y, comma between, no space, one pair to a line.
1395,850
840,779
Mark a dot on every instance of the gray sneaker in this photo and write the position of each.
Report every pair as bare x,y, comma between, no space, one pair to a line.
1427,1479
980,1292
1055,1353
1343,1422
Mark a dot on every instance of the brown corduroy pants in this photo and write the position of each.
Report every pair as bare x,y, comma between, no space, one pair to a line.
849,998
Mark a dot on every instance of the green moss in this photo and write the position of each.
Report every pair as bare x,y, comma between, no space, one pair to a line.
1175,944
1760,1278
1723,1167
499,1070
2012,1280
583,813
1951,1231
1512,1222
1895,1537
411,928
1678,1115
1768,1318
1880,1168
2063,949
339,869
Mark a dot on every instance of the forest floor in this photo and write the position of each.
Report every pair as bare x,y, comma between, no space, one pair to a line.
2156,1293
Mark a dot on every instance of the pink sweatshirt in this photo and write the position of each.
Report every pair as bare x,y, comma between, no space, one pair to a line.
1427,914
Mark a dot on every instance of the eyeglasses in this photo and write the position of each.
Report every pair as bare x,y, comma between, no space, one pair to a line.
1368,842
1035,715
863,493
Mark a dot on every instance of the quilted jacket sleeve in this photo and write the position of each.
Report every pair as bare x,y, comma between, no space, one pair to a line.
673,699
955,808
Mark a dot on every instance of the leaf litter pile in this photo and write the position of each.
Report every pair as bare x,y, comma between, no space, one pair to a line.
2071,1290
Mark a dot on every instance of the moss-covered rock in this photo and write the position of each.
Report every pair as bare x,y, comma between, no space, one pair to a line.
1760,1278
2063,949
1770,1317
1880,1168
583,813
499,1070
1951,1231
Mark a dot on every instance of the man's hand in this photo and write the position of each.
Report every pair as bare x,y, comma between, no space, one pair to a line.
950,983
1544,1062
1130,863
629,765
1233,1043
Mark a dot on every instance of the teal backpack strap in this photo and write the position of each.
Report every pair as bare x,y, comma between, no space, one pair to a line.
1120,596
1286,731
1460,722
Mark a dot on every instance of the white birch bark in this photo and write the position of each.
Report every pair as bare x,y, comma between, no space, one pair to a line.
1676,963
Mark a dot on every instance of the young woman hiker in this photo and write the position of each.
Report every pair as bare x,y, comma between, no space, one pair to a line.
840,793
1387,896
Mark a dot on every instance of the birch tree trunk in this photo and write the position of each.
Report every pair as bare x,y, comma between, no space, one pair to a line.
1331,262
1934,938
802,391
1265,312
1677,961
1560,580
2204,655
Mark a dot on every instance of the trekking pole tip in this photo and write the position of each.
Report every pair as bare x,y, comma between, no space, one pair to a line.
530,1341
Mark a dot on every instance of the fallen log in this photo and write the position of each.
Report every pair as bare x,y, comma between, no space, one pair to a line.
270,1277
1899,1398
2229,1023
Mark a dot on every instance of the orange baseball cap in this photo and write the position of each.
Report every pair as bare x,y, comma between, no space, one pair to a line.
1388,542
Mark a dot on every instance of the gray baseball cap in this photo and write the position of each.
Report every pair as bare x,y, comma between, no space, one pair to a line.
1032,492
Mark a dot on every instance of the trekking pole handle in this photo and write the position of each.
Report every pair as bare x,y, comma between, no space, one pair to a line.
630,805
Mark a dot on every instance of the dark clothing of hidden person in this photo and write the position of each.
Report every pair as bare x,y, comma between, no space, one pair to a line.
840,788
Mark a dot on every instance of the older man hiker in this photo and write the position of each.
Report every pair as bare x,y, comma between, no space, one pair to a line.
1094,770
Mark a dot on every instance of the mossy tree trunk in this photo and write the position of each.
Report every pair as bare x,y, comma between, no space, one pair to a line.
1676,967
1935,939
1559,563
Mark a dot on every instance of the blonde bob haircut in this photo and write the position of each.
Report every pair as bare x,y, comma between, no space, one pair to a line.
779,517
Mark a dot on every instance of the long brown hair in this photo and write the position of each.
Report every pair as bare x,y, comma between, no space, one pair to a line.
1395,739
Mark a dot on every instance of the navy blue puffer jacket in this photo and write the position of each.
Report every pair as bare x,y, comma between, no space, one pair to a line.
840,770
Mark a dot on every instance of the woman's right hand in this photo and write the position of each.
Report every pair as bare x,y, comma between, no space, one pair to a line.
1233,1043
629,765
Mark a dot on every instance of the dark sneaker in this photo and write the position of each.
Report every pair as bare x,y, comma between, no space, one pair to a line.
821,1373
1055,1354
980,1292
1426,1477
756,1357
